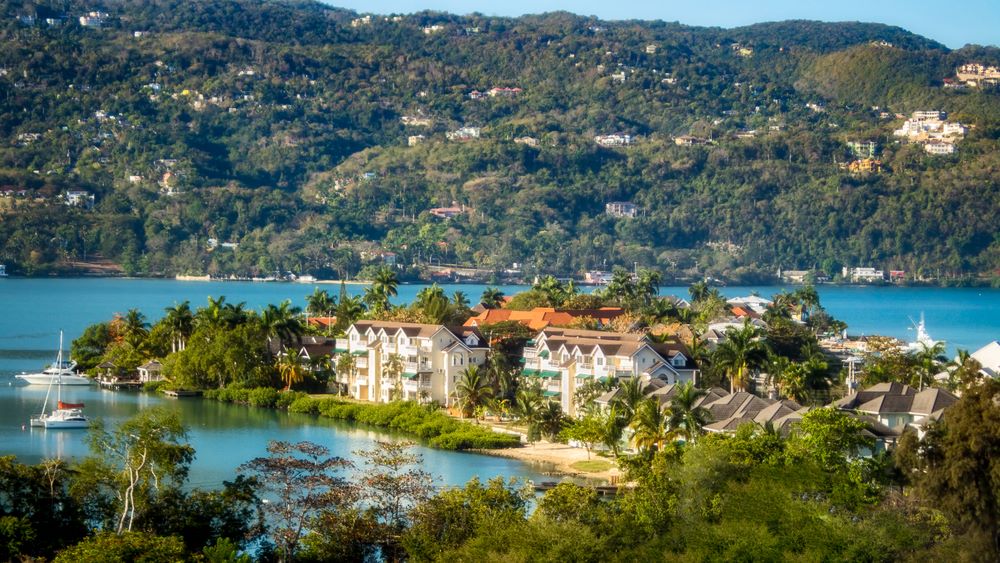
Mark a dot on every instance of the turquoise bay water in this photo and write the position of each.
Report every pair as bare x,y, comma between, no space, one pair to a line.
32,311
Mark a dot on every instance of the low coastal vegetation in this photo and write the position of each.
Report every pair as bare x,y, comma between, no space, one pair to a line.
426,422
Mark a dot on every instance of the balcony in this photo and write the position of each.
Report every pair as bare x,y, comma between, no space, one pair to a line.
343,345
416,385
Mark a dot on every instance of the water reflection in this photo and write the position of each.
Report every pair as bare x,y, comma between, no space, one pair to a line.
224,436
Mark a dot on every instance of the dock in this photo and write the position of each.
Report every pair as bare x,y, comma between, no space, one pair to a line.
119,383
603,490
177,393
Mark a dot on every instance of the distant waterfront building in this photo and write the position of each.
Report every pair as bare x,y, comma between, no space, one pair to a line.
624,209
863,274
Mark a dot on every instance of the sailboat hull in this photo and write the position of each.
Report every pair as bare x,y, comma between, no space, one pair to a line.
65,419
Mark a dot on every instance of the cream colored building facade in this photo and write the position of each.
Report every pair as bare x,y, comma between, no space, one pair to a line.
565,359
409,361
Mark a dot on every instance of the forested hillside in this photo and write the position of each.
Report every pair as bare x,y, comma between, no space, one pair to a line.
247,137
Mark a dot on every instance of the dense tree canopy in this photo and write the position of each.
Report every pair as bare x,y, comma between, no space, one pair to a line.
258,137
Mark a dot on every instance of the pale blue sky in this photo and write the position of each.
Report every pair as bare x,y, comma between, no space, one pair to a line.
953,23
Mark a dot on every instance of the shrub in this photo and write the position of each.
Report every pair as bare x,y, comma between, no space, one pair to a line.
286,398
155,386
262,397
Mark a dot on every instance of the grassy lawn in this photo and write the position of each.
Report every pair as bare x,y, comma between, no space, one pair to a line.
592,466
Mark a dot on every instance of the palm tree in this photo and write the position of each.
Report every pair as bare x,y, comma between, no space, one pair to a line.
460,300
647,287
650,428
739,354
392,370
526,405
381,290
290,369
472,390
661,311
179,320
929,359
345,367
621,288
282,321
808,297
320,304
685,418
554,292
386,282
213,314
134,328
492,298
698,291
551,420
629,397
350,309
437,309
963,370
613,425
427,294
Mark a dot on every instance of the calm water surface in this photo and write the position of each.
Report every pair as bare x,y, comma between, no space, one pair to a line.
33,310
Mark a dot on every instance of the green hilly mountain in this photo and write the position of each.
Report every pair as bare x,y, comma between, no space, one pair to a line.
247,137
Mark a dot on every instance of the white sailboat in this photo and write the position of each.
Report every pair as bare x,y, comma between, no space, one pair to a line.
60,373
66,415
923,340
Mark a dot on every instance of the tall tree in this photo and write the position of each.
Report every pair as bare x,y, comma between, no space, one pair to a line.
393,485
302,480
650,428
472,390
491,298
319,303
282,321
180,323
136,460
956,467
740,354
686,417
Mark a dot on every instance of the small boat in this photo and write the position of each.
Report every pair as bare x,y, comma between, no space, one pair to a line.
3,271
59,373
68,415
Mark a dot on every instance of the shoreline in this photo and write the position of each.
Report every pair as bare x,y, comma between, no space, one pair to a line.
559,457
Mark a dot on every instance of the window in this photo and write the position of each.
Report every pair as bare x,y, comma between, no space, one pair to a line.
600,361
